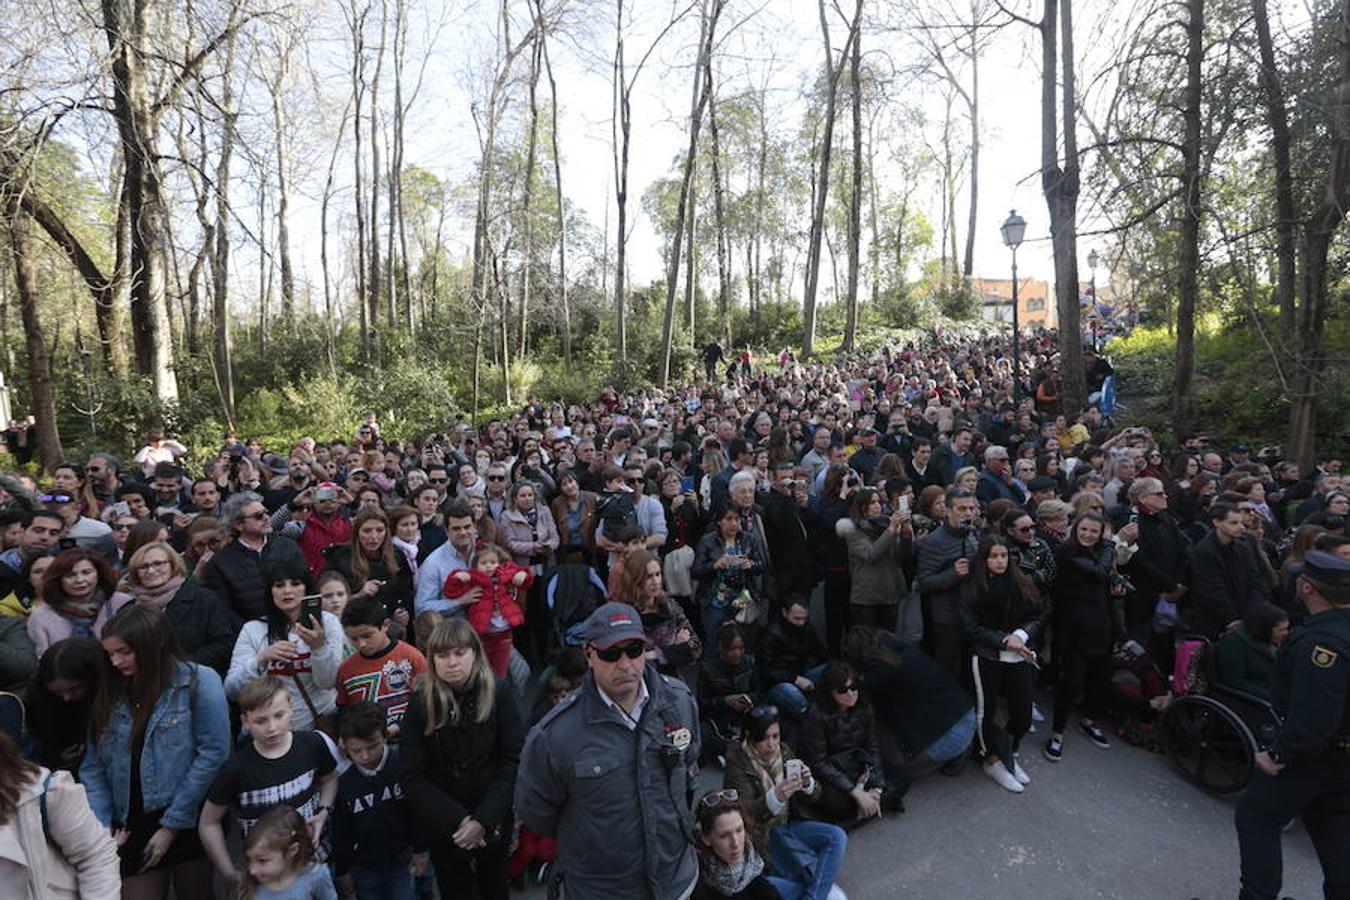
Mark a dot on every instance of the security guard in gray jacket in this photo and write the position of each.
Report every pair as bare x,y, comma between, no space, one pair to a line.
1306,770
608,772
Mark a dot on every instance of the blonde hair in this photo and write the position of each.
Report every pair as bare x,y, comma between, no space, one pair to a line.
175,560
439,704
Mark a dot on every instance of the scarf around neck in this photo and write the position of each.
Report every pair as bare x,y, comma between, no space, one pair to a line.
158,598
729,879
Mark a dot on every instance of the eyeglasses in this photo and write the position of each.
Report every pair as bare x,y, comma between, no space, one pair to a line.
717,798
631,649
257,516
121,526
1025,529
637,480
496,478
764,712
847,689
151,566
302,508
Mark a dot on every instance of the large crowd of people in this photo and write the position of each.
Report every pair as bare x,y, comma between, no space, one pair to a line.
669,643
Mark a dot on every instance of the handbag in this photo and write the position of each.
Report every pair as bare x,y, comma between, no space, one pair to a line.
747,609
326,723
1166,617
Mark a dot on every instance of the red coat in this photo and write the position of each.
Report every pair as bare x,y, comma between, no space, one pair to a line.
319,535
498,593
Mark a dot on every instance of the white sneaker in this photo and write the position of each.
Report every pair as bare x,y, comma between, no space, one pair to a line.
999,772
1036,714
836,893
1020,773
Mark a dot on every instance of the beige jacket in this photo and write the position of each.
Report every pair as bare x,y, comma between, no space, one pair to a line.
81,860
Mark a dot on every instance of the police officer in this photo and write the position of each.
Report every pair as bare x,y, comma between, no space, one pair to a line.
607,772
1306,770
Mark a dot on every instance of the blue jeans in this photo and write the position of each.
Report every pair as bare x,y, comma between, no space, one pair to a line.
955,742
825,844
392,882
789,698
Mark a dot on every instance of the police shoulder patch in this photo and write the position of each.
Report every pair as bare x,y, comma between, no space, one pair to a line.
1324,657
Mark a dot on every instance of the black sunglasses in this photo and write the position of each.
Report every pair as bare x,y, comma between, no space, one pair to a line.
496,478
438,480
847,689
631,649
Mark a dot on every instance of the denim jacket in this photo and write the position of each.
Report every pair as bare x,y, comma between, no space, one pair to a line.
187,739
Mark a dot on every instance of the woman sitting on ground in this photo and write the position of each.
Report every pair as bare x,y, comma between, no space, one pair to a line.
839,743
729,866
803,851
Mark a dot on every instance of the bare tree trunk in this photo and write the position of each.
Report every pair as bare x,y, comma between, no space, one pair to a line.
39,358
1318,233
561,290
126,24
1060,186
855,199
691,257
623,122
220,255
973,107
357,23
374,283
527,208
719,211
283,183
1188,273
1277,115
396,166
330,318
832,73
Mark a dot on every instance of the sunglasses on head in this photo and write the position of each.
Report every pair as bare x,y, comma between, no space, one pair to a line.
630,649
717,798
57,498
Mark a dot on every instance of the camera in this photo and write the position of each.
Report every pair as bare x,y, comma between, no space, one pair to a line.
1118,580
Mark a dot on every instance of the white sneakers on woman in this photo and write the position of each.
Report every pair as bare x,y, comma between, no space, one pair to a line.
1020,773
1006,780
836,893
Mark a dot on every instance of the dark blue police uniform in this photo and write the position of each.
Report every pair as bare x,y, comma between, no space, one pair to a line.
1312,697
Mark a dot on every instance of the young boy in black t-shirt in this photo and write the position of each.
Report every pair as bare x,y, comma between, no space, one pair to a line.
278,766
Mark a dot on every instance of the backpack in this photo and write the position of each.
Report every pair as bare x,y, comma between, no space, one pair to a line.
573,591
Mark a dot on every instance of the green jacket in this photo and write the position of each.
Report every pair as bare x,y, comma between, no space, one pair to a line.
1244,665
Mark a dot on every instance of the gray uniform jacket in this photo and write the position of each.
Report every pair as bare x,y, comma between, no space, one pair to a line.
617,800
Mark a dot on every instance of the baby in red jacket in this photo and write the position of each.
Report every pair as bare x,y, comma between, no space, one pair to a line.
495,611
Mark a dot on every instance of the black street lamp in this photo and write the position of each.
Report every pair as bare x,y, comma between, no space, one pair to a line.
1014,229
1093,261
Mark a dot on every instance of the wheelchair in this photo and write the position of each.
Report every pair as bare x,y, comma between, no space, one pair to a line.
1211,732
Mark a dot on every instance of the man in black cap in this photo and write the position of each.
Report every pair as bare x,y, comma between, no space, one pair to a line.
865,459
608,771
1306,770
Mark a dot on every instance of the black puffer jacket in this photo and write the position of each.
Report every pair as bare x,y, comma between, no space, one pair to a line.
235,574
827,735
201,622
463,768
786,651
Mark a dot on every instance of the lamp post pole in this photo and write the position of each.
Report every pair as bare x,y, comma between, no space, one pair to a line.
1017,346
1014,228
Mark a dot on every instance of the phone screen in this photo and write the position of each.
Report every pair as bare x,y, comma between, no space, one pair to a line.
311,610
687,484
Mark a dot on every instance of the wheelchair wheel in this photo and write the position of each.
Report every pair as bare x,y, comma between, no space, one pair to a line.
1209,744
